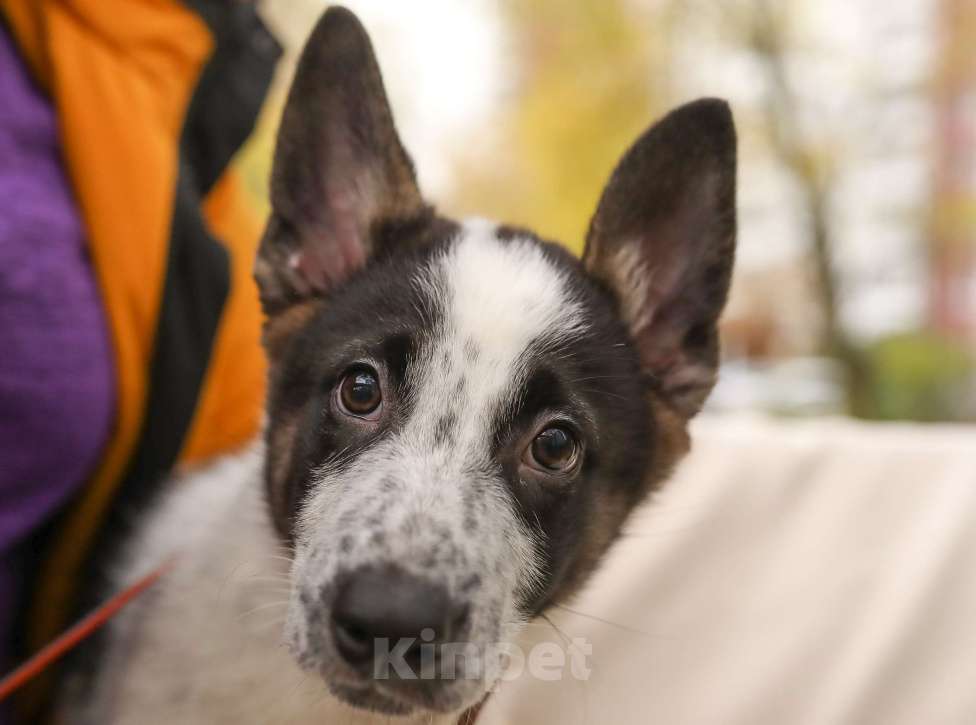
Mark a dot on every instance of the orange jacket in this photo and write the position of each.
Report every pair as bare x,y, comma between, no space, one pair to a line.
153,97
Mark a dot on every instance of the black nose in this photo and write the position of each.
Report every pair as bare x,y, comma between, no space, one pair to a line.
375,603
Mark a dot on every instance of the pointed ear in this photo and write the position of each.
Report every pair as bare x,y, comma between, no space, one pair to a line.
340,172
663,240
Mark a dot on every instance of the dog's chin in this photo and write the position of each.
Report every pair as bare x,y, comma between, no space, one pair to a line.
374,698
367,697
399,699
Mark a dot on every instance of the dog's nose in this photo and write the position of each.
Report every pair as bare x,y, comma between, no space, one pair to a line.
388,603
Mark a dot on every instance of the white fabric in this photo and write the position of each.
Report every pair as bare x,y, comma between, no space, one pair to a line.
791,572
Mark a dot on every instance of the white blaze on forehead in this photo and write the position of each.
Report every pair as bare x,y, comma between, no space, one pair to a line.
499,298
506,294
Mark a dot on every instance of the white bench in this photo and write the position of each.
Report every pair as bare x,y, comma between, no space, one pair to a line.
817,572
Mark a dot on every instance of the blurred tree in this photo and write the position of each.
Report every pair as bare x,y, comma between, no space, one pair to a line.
586,87
767,32
922,375
817,149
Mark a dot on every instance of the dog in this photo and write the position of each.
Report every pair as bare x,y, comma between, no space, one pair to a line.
460,417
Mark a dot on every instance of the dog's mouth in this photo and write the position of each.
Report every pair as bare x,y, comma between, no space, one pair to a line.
369,697
396,677
398,698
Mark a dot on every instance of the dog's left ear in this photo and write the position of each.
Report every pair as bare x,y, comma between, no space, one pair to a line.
340,174
663,240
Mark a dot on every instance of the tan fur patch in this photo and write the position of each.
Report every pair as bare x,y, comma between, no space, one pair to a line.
629,274
281,443
279,328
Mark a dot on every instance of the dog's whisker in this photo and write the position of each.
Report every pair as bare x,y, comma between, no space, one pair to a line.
661,532
604,392
262,607
608,622
278,575
289,694
600,377
566,640
264,627
669,527
267,579
265,590
545,618
278,592
571,648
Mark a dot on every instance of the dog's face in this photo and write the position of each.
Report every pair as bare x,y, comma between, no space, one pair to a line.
462,415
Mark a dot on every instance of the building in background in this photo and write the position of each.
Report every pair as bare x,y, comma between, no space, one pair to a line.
953,249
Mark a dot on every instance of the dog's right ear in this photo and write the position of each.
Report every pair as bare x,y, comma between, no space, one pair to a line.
340,172
663,241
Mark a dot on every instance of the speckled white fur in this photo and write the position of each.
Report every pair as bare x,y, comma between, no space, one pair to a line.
204,646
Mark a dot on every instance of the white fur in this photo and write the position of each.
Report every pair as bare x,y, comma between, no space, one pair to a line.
502,296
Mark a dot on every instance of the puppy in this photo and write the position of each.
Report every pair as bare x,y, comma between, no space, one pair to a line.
460,417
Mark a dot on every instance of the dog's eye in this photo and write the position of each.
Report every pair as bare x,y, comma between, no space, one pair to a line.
359,392
554,449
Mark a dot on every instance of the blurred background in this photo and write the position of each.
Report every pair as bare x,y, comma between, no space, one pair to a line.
829,552
855,291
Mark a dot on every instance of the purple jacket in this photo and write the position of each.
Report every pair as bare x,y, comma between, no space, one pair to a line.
56,374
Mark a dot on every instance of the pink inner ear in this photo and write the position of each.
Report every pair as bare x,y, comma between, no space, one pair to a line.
335,250
347,214
310,270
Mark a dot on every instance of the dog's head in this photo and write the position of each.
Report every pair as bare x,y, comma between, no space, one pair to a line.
462,415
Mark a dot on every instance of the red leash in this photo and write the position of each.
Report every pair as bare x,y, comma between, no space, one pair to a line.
95,621
77,634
